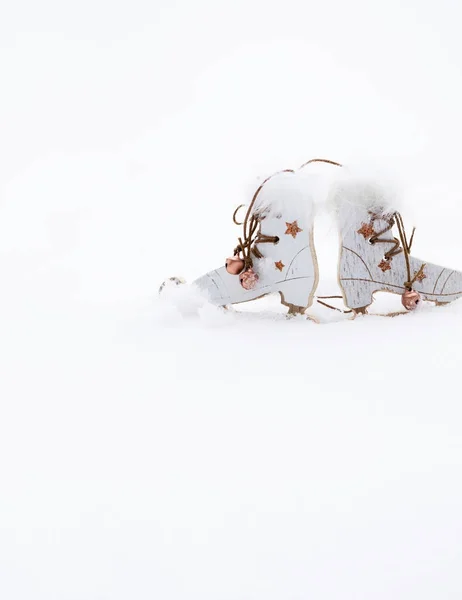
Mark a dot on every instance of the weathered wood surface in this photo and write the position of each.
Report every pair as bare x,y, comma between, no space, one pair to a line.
363,269
288,267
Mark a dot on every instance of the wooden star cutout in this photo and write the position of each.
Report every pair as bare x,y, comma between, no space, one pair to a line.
384,265
367,230
420,275
293,229
279,265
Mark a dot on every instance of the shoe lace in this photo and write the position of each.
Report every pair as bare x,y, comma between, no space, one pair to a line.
251,238
403,244
247,245
399,245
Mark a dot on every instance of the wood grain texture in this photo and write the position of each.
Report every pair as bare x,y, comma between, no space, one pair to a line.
363,269
289,267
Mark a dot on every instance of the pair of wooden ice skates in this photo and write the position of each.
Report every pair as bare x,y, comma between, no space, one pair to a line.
276,253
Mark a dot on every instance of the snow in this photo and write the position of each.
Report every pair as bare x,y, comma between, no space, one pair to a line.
163,448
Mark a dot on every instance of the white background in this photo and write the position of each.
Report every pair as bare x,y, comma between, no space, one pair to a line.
149,453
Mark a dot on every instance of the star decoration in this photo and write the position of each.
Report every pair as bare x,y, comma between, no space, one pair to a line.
279,265
367,230
384,265
420,275
293,229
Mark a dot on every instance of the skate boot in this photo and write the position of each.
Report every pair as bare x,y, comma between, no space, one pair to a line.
373,259
275,253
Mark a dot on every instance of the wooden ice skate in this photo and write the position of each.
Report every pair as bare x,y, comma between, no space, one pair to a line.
373,259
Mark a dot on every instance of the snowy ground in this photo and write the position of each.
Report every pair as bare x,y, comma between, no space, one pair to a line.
172,451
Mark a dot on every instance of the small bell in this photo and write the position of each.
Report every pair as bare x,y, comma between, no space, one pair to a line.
248,279
410,299
234,265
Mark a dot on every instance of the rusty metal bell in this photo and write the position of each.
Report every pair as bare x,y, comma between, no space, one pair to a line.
234,265
410,299
248,279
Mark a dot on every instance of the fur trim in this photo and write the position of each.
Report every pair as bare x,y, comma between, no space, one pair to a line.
286,194
354,195
340,192
366,192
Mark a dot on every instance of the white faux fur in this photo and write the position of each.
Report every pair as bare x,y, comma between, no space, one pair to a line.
285,193
353,196
298,194
306,192
367,190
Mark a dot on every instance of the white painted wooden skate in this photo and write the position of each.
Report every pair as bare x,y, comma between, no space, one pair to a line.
372,259
279,255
